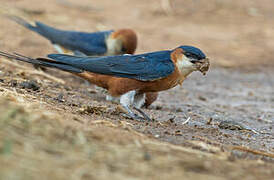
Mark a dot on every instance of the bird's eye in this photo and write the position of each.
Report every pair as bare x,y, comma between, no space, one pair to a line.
188,54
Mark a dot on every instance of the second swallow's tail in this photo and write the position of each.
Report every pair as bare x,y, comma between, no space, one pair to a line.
24,23
42,62
44,30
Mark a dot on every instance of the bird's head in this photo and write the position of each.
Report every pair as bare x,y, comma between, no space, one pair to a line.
122,41
190,59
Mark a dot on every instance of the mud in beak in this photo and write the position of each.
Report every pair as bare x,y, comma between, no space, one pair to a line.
202,65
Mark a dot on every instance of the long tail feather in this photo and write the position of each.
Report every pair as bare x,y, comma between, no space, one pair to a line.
42,62
22,22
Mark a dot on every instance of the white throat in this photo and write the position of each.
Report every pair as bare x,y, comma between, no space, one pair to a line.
114,46
185,66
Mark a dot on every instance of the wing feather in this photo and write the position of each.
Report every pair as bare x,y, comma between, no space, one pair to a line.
144,67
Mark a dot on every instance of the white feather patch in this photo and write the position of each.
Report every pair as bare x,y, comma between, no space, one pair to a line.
185,66
114,46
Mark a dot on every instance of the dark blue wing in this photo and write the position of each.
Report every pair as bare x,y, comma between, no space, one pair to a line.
144,67
87,43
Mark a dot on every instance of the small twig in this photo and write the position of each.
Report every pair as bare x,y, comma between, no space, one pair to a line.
232,125
186,121
108,123
257,152
252,130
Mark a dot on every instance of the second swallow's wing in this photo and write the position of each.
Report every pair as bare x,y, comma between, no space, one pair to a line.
144,67
87,43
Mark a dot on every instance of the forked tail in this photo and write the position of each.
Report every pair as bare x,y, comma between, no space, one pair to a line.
42,62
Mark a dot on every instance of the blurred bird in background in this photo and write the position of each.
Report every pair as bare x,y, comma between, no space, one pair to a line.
101,43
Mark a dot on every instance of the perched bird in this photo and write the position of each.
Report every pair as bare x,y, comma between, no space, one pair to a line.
129,76
101,43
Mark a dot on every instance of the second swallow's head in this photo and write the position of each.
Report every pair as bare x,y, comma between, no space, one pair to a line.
122,41
191,58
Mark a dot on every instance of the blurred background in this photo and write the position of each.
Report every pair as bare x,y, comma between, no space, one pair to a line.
229,32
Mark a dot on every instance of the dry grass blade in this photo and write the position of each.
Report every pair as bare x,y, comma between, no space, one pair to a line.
221,155
253,151
103,122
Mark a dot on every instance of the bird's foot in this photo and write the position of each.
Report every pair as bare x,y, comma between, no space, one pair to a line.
130,114
134,116
146,117
127,101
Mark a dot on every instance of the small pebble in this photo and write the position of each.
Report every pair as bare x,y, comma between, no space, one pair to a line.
60,98
30,85
13,83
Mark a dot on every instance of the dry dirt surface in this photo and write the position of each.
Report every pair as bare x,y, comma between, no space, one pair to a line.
219,126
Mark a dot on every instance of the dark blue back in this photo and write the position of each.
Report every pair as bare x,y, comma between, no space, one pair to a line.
88,43
144,67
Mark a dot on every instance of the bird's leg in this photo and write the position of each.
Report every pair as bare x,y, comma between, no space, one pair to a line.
139,101
112,98
126,101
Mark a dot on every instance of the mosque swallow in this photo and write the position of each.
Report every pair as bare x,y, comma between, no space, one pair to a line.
101,43
130,76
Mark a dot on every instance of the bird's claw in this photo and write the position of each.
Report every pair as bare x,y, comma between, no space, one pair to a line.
134,116
146,117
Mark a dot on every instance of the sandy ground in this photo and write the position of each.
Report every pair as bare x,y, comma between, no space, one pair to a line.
230,110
